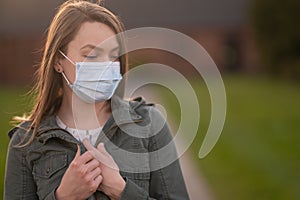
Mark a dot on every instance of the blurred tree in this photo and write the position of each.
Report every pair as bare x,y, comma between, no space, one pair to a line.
277,29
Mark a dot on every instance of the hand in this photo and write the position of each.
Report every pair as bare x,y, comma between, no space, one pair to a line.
112,184
81,179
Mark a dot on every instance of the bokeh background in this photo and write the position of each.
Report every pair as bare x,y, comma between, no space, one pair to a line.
256,46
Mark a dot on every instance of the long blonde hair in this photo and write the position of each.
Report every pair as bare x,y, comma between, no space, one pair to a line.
64,26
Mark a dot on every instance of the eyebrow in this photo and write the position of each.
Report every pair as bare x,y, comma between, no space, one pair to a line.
97,48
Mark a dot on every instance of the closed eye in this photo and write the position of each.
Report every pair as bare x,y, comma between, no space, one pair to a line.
91,56
114,57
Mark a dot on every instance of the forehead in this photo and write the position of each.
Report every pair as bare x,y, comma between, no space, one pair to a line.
95,33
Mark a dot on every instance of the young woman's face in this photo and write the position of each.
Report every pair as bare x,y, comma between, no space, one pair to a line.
89,46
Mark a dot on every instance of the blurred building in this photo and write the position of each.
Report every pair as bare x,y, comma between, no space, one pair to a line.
219,26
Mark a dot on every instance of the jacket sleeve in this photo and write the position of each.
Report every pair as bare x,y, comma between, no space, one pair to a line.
19,182
51,195
166,182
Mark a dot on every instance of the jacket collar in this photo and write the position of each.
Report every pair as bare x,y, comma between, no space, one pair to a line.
123,112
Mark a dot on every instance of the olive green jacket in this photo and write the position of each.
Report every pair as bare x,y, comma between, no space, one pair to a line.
136,136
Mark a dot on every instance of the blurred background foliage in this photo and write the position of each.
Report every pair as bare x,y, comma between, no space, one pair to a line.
276,25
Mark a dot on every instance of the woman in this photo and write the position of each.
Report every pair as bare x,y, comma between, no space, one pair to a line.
74,143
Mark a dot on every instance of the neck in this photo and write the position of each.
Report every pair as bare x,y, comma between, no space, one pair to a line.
80,115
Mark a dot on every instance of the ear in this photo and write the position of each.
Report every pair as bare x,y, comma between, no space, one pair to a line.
58,67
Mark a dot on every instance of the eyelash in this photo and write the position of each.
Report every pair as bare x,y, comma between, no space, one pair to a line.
93,57
90,57
115,57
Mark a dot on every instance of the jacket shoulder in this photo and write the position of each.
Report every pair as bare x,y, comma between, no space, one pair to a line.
146,109
139,102
20,129
153,117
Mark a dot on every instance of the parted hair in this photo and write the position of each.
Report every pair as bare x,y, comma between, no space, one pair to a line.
48,89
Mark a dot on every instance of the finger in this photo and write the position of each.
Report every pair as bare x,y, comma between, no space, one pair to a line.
94,174
90,148
101,148
92,165
88,145
78,152
98,180
99,155
86,157
106,158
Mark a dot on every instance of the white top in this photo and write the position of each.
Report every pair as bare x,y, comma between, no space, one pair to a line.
80,135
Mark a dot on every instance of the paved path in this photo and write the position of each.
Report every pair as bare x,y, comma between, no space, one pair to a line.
196,185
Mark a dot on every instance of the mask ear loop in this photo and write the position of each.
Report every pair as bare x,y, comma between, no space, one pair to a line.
64,55
65,77
68,82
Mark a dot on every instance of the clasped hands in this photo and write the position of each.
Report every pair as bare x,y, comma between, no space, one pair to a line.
93,170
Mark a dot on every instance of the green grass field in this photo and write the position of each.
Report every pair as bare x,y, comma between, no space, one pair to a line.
257,155
12,103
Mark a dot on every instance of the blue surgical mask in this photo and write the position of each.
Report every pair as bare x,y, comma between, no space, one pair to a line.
95,81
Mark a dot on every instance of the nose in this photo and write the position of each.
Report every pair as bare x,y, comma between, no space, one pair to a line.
106,58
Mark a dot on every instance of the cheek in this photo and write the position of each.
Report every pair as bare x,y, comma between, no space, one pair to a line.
70,71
